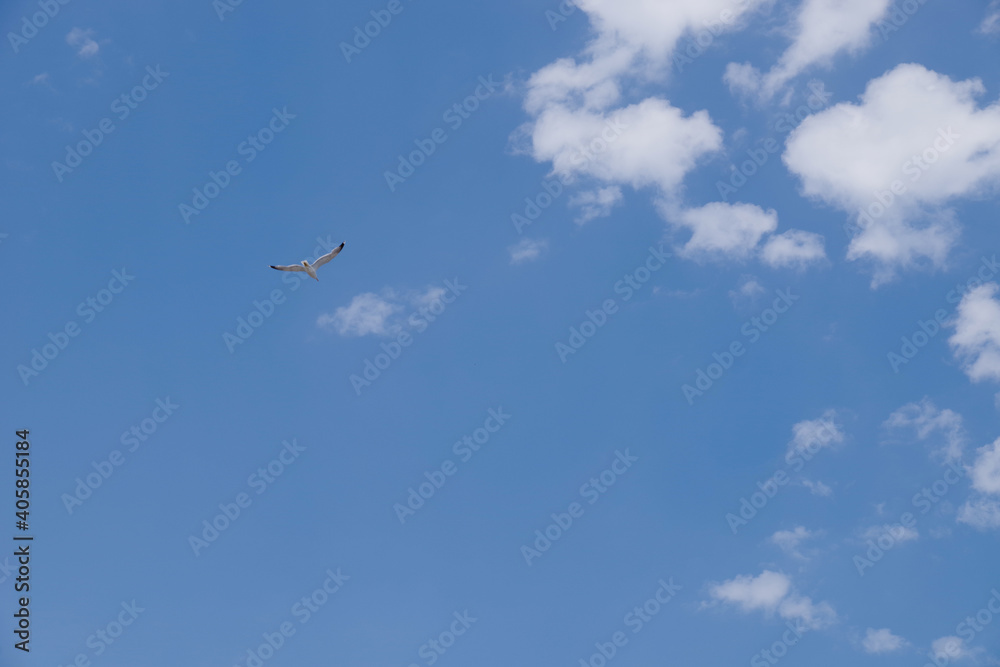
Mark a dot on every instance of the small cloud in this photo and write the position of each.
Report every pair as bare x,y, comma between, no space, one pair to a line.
596,203
771,592
527,250
810,436
40,79
985,473
794,249
882,641
748,290
721,231
367,313
976,341
817,488
926,419
981,514
950,648
82,40
789,540
991,24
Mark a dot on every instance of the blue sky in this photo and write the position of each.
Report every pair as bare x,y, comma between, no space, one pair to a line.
699,393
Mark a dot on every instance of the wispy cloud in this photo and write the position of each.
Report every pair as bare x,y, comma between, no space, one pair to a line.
82,40
527,250
881,641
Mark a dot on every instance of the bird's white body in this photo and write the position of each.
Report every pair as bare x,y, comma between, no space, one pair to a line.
310,269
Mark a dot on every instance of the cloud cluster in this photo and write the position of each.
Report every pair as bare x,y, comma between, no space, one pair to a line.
371,314
772,593
976,341
721,231
926,420
821,30
593,138
915,143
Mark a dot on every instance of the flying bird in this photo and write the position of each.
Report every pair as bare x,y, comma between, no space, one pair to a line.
311,268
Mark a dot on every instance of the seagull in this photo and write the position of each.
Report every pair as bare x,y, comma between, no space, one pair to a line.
311,268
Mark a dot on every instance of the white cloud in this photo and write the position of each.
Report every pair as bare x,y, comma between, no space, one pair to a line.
749,288
367,313
817,488
976,340
794,248
882,641
822,29
596,203
724,231
583,127
82,40
927,419
980,513
647,144
789,540
580,123
813,435
991,24
983,511
985,472
771,592
951,648
527,250
913,128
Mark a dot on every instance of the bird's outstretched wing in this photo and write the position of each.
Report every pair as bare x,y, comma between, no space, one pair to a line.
293,267
330,255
